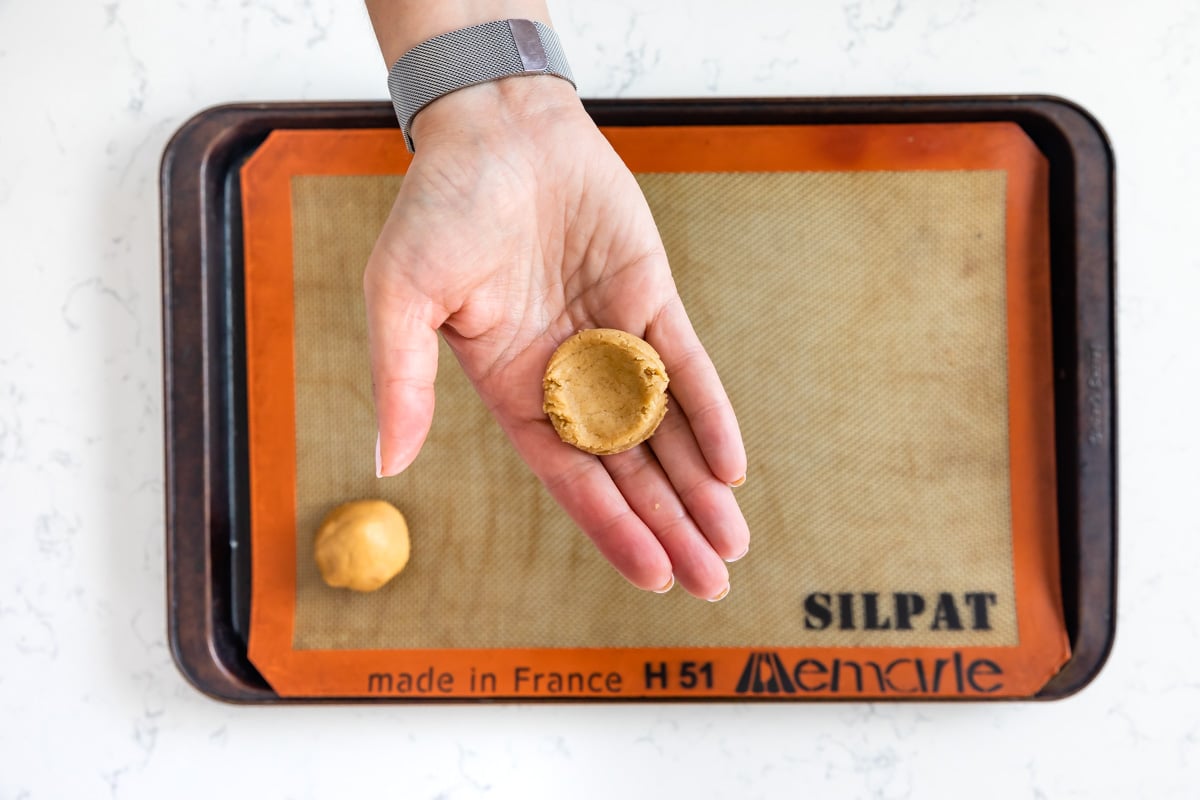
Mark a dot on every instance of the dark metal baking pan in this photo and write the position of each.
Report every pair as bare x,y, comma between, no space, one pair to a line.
207,518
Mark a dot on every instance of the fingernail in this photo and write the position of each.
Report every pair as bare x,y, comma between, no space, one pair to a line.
739,556
721,596
666,588
378,459
738,482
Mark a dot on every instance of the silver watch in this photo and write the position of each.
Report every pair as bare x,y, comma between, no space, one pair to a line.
469,56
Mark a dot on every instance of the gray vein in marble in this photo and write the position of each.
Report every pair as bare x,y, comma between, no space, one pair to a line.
1130,725
277,16
141,80
624,60
97,285
634,65
557,745
54,137
464,754
650,737
964,12
13,448
145,736
1189,745
155,135
150,642
872,15
1177,50
28,642
61,458
113,779
1035,781
55,533
775,69
320,29
867,19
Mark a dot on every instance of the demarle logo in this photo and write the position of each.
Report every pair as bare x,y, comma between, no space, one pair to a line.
765,674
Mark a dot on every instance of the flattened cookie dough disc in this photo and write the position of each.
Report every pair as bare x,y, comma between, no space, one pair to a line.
362,545
605,391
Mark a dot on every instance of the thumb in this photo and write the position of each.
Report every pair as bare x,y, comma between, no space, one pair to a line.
404,351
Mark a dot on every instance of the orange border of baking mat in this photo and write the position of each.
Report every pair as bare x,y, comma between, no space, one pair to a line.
614,673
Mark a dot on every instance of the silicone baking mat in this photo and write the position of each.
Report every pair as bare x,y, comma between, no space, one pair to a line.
877,300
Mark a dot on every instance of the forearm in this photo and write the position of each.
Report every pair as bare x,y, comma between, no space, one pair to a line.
400,25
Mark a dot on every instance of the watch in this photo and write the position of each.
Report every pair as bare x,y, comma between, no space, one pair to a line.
468,56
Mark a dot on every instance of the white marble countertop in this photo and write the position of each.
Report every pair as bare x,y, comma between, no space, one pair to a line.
91,704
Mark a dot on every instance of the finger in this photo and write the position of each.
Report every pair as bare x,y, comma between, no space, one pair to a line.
640,478
697,387
709,502
404,351
580,484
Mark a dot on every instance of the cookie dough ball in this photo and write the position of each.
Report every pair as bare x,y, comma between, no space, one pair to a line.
605,391
362,545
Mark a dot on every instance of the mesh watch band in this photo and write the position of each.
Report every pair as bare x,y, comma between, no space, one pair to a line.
469,56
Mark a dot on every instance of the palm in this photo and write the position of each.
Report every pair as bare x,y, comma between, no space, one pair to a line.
508,254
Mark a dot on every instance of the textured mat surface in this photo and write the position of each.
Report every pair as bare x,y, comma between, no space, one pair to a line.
858,321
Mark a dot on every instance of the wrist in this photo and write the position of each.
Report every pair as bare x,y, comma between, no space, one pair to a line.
496,108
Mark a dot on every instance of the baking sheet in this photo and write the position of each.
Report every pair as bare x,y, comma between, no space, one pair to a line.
209,532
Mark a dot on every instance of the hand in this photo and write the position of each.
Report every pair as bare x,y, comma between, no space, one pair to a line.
516,226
